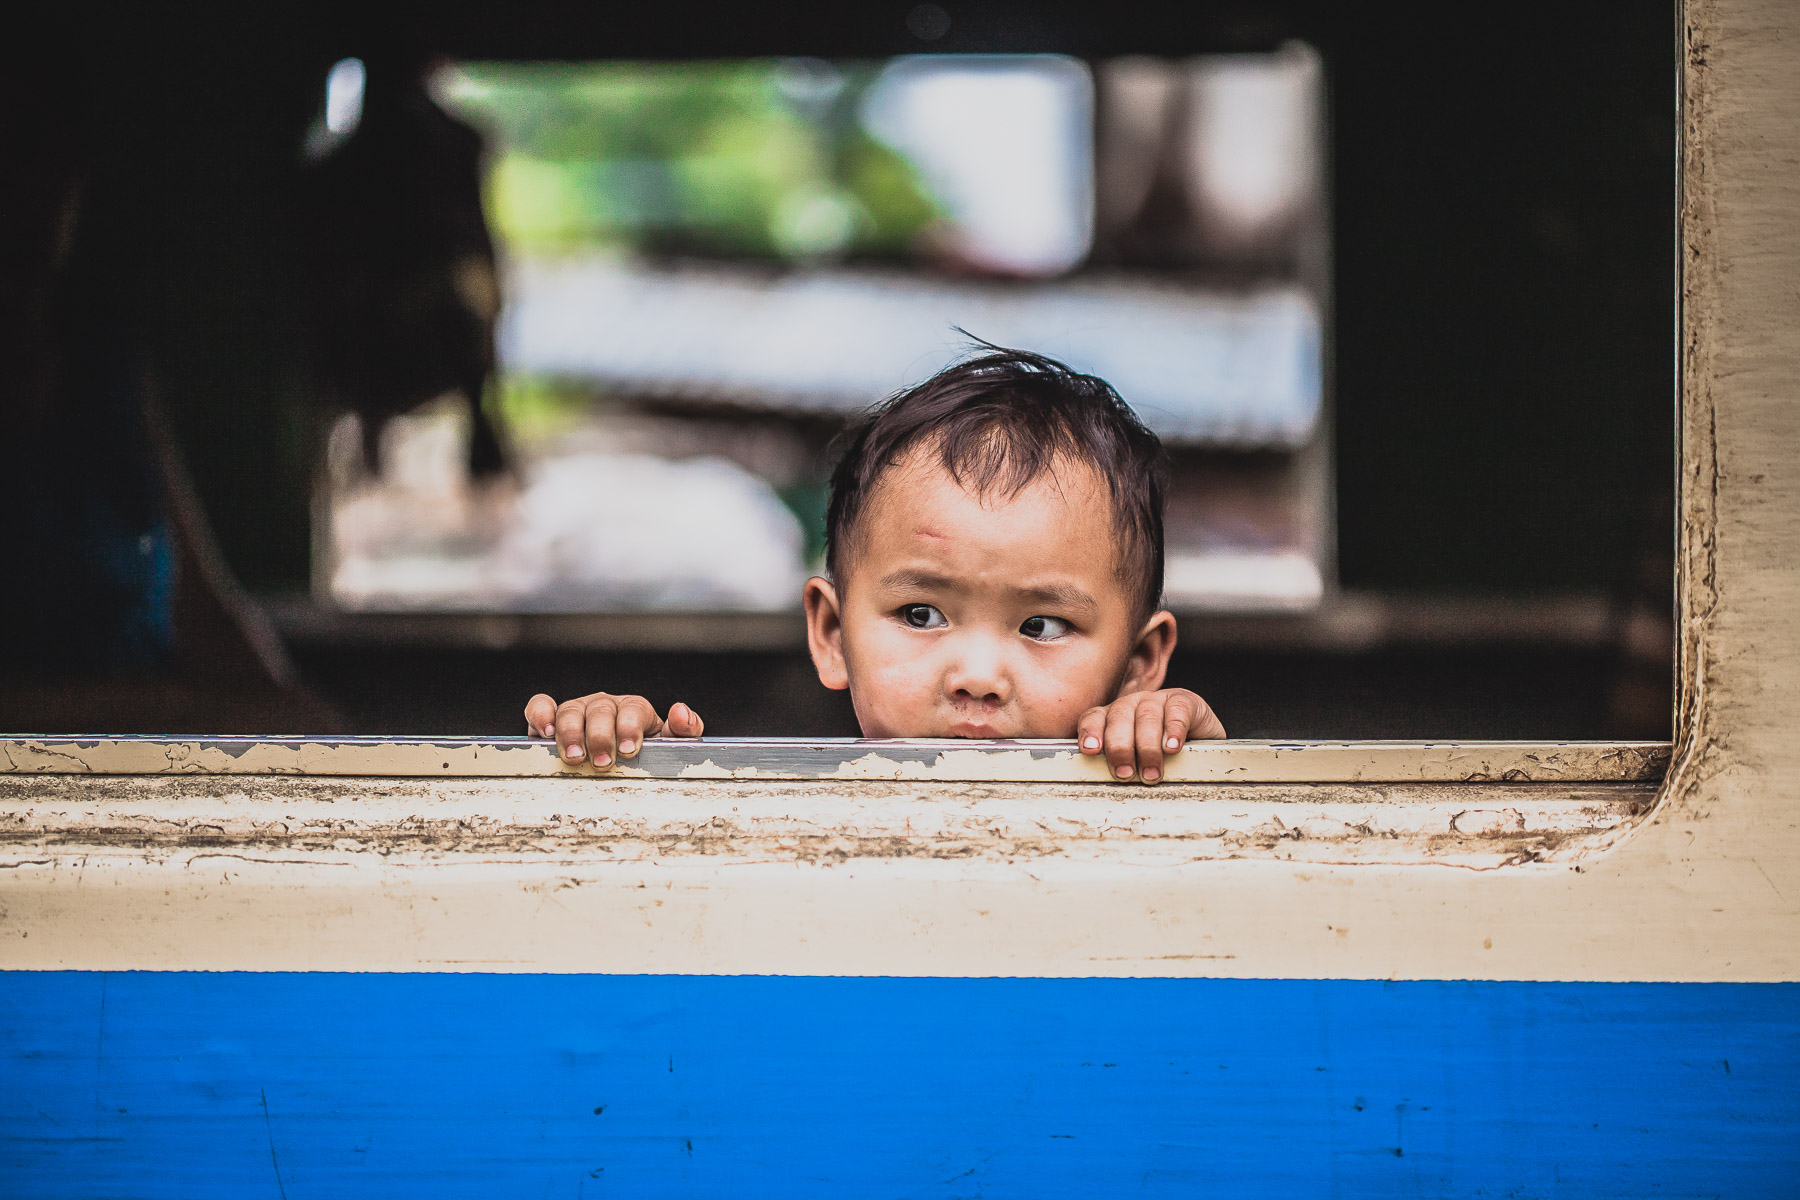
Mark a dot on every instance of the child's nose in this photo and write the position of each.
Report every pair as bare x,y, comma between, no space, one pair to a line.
978,673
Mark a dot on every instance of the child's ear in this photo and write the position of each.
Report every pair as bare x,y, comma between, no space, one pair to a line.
1149,661
825,632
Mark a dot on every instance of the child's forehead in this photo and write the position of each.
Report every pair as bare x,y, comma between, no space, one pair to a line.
920,474
1059,520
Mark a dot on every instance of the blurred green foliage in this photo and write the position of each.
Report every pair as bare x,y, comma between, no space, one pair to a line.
808,500
537,409
762,158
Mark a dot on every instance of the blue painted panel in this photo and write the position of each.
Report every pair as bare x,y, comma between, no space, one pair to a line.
300,1085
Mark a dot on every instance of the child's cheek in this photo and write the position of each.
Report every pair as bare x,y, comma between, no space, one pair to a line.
1062,692
909,692
895,688
1058,717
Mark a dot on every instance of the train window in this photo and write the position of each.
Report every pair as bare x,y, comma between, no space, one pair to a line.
1376,528
415,428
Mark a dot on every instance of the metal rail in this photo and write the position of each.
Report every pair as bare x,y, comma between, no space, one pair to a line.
946,760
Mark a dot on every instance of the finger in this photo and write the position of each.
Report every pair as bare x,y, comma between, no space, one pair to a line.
1178,718
601,728
1204,724
1147,733
1120,738
540,716
570,729
636,721
1090,730
684,721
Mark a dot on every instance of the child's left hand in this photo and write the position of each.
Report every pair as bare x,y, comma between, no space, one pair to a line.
1137,729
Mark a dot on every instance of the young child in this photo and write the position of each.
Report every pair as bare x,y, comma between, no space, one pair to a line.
994,545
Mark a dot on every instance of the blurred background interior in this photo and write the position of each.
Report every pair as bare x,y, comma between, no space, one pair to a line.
371,375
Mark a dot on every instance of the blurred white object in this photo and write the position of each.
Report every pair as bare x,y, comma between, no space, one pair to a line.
345,85
589,532
1199,366
594,531
1006,143
1242,581
1254,165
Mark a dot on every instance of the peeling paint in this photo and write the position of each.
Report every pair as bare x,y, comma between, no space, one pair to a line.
954,761
750,821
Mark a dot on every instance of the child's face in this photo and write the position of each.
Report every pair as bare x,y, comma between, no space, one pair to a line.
983,616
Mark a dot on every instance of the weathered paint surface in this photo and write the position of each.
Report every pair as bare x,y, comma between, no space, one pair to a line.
919,759
81,822
1705,886
197,1085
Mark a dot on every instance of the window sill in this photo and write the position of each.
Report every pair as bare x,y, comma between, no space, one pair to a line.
822,802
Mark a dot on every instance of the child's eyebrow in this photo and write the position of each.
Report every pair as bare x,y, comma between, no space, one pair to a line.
909,578
1060,595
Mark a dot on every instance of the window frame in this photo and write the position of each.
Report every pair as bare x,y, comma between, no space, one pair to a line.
114,870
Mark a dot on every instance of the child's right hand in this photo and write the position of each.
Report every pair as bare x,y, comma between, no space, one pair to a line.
592,727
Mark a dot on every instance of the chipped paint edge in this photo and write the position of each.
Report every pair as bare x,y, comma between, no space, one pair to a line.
922,760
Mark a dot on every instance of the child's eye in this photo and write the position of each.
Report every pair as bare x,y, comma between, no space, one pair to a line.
1044,629
922,616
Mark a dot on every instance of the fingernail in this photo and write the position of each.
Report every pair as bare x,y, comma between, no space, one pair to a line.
1091,744
1151,774
549,731
573,753
1174,743
1124,772
603,760
627,747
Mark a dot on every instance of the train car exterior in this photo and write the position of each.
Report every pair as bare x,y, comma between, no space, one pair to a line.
418,967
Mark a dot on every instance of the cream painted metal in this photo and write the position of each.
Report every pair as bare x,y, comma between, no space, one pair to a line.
86,820
923,759
1695,879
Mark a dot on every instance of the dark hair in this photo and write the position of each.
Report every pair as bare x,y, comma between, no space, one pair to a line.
998,421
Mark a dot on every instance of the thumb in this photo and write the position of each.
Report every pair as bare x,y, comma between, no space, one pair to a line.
540,715
684,721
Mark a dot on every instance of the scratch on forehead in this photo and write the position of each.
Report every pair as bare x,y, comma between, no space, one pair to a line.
929,533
